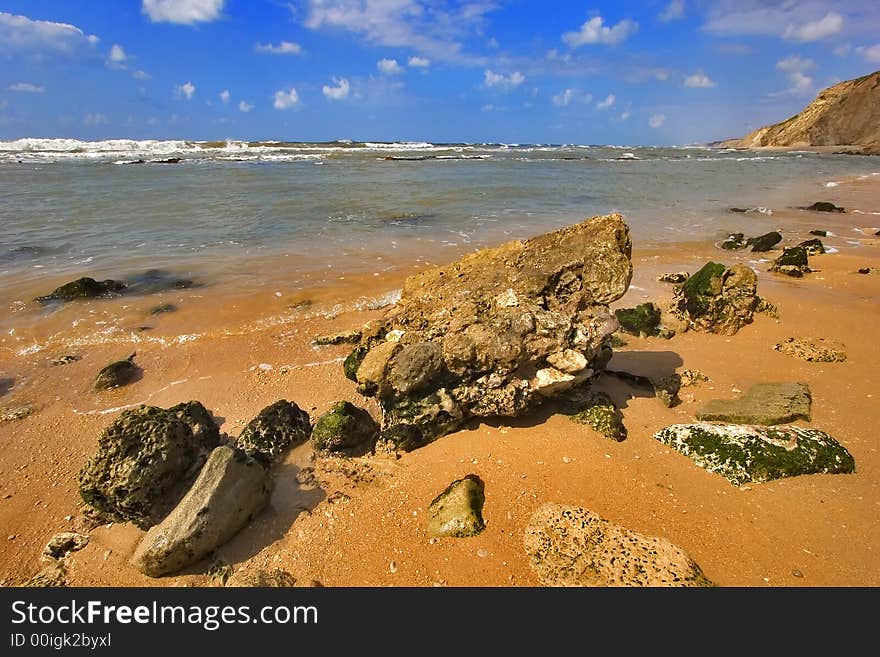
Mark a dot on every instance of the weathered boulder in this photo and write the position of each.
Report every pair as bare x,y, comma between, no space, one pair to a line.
230,490
276,429
276,578
764,242
793,262
571,546
117,374
717,299
345,427
143,460
743,453
83,288
458,510
479,337
673,277
813,247
597,411
763,403
813,350
824,206
60,545
643,320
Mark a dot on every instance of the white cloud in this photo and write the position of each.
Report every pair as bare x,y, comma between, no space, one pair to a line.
594,31
657,120
608,102
799,83
871,54
827,26
27,87
338,92
224,96
501,81
389,67
187,90
185,12
487,108
842,50
283,48
794,63
699,80
117,54
95,119
673,11
141,75
286,99
419,62
245,107
570,96
625,114
20,34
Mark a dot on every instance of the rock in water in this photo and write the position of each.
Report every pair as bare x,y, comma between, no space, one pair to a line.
496,332
813,247
793,262
743,454
117,374
824,206
352,336
230,490
643,320
764,242
345,427
819,233
276,429
570,546
734,242
143,460
277,578
717,299
597,411
458,510
813,350
763,403
83,288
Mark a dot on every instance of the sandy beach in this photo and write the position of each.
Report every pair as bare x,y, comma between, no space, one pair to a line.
361,521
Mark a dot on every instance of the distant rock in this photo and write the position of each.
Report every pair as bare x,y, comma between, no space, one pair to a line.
717,299
458,510
643,320
479,337
864,270
67,359
118,374
570,546
793,262
230,490
824,206
60,545
734,242
813,247
819,233
764,242
345,427
276,578
83,288
814,350
144,459
275,430
763,403
351,336
743,454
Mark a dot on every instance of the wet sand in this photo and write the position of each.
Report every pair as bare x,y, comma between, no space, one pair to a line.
362,521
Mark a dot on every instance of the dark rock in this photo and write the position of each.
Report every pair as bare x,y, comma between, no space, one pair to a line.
597,411
345,427
458,510
819,233
60,545
230,490
717,299
353,362
143,461
163,308
824,206
864,270
276,429
117,374
352,336
813,350
764,242
734,242
83,288
793,262
168,160
66,360
616,342
740,210
497,332
204,428
677,278
813,247
570,546
153,281
665,388
763,403
743,454
643,320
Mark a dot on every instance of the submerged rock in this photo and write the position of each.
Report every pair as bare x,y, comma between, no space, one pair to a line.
163,308
153,281
345,427
571,546
764,242
643,320
276,578
813,350
597,411
717,299
276,429
763,403
351,336
60,545
83,288
793,262
230,490
813,247
824,206
743,454
458,510
819,233
143,460
118,374
479,337
734,242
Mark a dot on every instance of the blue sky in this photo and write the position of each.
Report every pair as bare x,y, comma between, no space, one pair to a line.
664,72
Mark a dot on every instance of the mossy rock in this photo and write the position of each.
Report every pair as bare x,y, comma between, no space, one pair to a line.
201,422
644,319
354,360
616,342
163,308
764,242
793,262
344,427
707,282
275,430
597,411
763,403
404,437
813,247
352,336
118,374
458,511
743,453
83,288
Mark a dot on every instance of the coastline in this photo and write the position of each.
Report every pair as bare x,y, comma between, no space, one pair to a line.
822,526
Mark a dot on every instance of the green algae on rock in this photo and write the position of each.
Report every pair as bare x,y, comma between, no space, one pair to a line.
571,546
117,374
743,453
345,427
793,262
643,320
351,336
83,288
275,430
763,403
716,299
458,510
813,247
597,411
813,350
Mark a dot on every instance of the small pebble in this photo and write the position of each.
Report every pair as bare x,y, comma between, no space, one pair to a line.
483,552
565,459
11,537
392,567
796,573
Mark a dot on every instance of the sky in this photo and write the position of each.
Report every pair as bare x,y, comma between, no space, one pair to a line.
514,71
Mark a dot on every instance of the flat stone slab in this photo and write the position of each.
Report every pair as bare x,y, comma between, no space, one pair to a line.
813,350
571,546
763,403
743,454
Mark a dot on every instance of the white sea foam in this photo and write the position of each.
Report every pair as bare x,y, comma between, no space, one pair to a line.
832,184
